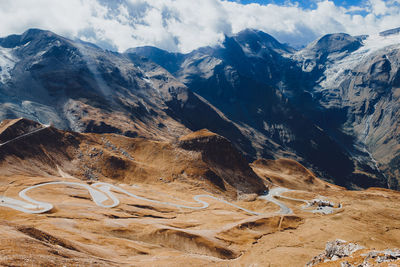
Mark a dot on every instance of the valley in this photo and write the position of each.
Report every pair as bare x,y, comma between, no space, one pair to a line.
53,213
244,153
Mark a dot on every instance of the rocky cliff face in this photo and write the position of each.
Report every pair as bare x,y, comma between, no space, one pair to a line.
358,90
287,97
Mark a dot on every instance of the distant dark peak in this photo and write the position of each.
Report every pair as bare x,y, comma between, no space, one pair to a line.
254,34
361,38
19,39
390,32
145,50
167,60
10,41
231,43
206,50
92,45
333,43
248,42
35,32
14,40
255,40
151,51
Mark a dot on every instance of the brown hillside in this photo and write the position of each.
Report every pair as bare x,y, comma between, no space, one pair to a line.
147,230
289,173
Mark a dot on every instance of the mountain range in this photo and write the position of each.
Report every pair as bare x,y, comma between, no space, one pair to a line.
246,153
333,106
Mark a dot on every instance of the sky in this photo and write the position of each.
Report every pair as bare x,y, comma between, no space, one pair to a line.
184,25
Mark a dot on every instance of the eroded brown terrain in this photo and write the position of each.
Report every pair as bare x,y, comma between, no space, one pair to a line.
139,232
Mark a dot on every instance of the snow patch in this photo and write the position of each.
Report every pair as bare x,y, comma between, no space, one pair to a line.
7,63
342,64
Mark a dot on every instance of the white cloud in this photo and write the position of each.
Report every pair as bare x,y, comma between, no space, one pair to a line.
183,25
378,7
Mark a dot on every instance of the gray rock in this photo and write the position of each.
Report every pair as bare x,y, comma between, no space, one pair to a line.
335,250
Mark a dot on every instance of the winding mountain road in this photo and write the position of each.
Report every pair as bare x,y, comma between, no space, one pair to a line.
101,192
276,192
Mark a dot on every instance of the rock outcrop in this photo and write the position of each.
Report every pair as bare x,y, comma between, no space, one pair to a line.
346,254
335,250
225,161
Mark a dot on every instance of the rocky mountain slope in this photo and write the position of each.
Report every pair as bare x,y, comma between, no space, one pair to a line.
209,161
269,100
336,89
78,86
356,82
